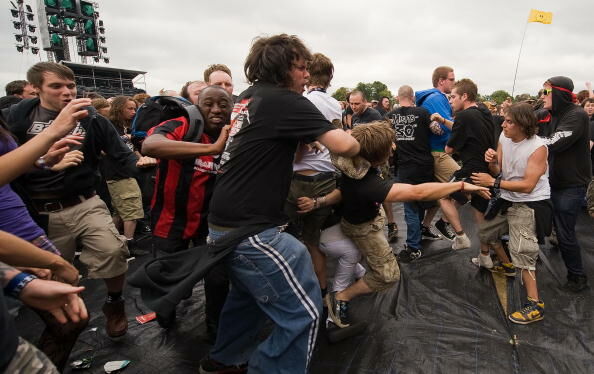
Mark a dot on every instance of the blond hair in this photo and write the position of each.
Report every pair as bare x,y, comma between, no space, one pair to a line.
375,139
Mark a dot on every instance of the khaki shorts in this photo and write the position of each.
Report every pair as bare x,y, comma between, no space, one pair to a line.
519,222
369,237
89,225
309,224
444,166
126,198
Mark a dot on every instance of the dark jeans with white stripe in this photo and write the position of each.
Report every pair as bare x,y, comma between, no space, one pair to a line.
272,278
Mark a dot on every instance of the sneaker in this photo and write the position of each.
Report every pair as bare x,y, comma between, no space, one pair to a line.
509,270
461,242
483,261
116,323
392,232
445,229
576,283
532,311
427,234
210,366
408,255
338,310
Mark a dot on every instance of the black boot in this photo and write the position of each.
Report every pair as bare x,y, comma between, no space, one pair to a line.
576,282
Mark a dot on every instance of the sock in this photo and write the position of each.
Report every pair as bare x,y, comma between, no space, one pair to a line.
459,233
113,297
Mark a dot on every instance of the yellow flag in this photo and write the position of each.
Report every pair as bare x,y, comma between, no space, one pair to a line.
540,16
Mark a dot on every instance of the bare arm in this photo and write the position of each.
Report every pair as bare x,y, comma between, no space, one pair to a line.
23,158
494,159
18,252
449,150
307,204
535,168
339,142
437,117
428,191
160,146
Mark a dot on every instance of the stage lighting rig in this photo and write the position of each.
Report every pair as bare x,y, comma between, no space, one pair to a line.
23,22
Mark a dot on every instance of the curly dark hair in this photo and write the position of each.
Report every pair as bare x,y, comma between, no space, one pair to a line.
271,58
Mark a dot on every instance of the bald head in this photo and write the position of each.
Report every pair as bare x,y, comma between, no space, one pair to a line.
406,96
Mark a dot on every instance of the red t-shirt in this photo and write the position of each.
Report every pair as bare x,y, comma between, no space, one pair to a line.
183,188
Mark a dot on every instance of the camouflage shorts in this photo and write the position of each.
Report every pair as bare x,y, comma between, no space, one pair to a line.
369,237
30,360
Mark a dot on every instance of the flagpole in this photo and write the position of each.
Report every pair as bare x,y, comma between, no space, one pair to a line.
518,62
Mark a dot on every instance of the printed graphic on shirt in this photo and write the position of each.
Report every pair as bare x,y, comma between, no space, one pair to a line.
205,166
38,126
405,126
239,117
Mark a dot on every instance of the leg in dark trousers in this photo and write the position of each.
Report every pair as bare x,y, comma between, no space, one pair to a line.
57,340
216,288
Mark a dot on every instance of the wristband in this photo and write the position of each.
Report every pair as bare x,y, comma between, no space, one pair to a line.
17,283
497,182
42,164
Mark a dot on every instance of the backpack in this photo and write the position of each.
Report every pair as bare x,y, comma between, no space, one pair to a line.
158,109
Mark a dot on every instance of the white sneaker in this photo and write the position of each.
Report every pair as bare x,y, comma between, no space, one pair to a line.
483,261
461,242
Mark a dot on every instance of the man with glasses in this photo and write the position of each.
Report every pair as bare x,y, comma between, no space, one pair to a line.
567,136
271,272
436,101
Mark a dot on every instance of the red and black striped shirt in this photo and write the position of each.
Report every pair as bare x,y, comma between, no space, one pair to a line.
183,188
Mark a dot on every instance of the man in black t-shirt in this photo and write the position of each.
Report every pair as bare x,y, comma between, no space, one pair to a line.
414,163
472,134
271,272
361,112
65,202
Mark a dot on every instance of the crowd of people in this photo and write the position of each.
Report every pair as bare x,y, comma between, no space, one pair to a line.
285,177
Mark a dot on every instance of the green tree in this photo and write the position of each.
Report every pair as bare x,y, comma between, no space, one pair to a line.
499,96
375,90
340,93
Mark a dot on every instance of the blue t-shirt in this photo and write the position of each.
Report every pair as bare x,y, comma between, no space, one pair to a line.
14,216
436,102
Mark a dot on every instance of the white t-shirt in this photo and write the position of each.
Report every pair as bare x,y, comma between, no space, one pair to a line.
330,108
513,166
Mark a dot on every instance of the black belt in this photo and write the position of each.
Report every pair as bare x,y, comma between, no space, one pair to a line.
55,205
315,178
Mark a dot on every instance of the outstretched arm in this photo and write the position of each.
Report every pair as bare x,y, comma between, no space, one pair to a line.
430,191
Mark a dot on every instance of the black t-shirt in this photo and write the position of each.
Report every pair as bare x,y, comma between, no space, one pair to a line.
109,166
28,118
369,115
9,338
362,199
412,137
257,165
472,135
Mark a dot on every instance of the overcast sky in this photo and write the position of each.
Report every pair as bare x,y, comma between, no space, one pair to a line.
396,42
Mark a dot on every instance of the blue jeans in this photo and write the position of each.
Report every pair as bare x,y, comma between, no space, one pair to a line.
272,277
413,216
567,203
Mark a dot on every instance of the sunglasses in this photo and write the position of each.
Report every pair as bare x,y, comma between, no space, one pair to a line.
547,91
